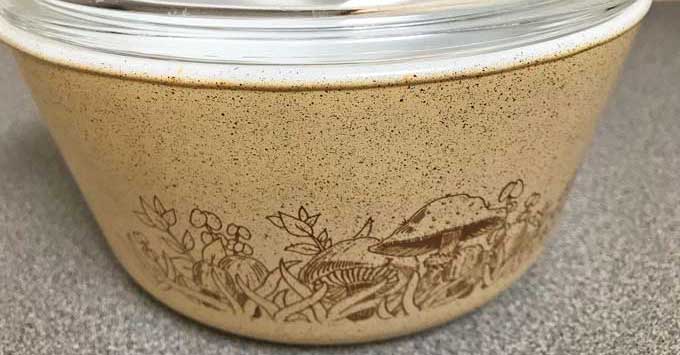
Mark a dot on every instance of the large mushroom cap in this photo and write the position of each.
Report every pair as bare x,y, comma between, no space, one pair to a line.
347,267
447,219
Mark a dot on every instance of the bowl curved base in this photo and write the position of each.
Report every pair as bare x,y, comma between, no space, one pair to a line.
370,330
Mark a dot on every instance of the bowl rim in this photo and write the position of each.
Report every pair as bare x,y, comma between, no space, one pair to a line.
314,77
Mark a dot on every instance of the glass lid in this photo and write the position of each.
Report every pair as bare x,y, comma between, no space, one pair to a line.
302,32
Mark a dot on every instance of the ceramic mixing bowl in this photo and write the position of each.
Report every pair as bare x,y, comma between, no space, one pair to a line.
322,172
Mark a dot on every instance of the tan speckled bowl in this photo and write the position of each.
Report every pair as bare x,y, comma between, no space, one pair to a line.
329,211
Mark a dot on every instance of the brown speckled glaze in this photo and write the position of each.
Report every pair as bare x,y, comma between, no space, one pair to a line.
328,216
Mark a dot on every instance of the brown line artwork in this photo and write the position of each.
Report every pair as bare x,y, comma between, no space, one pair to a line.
446,250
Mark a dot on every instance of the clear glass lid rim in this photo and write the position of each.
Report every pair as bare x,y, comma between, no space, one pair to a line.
309,8
257,38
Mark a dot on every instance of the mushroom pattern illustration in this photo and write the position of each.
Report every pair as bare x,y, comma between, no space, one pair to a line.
444,227
347,268
446,250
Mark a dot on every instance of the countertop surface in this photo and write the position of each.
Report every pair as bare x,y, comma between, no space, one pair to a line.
608,282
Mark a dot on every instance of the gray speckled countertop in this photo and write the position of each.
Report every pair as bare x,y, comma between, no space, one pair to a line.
608,283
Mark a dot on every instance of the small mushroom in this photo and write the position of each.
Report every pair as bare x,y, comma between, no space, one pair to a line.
441,225
250,270
348,268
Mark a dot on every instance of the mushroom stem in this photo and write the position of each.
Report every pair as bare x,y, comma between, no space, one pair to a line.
449,241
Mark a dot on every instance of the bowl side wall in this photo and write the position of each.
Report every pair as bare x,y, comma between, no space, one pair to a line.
170,170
